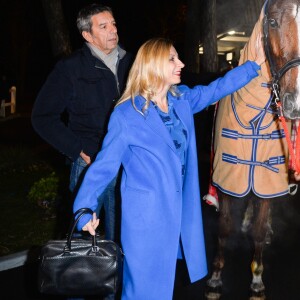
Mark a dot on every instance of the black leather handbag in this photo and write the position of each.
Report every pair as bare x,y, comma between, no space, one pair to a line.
80,265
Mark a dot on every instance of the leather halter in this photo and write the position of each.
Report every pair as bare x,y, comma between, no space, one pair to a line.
276,74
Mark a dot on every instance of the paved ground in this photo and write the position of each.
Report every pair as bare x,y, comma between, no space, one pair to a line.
281,274
282,259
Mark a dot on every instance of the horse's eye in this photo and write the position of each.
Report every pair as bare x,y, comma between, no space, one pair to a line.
273,23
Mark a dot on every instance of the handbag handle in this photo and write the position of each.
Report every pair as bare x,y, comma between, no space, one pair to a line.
78,214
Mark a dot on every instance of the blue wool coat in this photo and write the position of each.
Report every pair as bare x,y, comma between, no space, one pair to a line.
159,207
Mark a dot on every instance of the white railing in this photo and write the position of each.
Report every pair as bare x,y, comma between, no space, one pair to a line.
12,103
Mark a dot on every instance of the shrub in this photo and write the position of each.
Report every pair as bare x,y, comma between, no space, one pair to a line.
44,192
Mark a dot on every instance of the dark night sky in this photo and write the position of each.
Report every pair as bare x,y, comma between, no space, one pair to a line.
25,52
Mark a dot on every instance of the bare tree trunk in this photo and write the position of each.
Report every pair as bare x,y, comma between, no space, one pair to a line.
59,34
210,48
192,36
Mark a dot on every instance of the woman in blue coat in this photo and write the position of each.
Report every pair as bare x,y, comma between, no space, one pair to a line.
151,134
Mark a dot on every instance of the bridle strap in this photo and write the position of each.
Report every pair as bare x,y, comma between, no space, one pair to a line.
295,62
276,76
266,38
295,154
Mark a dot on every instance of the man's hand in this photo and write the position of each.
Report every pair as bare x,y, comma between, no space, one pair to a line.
85,157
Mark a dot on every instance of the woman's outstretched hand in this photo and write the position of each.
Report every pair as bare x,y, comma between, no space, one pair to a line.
91,225
259,48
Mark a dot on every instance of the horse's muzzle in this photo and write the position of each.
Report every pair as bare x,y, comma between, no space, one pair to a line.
291,109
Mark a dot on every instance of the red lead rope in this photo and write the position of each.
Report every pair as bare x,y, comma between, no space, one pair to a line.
295,154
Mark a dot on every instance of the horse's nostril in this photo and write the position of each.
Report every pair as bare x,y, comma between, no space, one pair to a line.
288,102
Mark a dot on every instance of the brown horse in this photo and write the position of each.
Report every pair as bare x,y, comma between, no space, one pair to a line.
250,167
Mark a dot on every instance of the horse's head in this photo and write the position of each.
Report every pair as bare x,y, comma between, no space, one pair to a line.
282,48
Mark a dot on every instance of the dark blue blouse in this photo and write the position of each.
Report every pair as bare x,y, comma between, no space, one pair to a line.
177,131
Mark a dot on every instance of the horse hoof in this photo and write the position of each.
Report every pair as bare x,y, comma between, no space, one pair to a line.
213,293
258,296
212,296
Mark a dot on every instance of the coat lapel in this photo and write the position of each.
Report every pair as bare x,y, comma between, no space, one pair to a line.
182,111
153,120
156,124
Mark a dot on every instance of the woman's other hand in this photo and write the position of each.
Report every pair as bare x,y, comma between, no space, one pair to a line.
91,225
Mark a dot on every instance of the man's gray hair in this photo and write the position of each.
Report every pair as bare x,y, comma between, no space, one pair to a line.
84,16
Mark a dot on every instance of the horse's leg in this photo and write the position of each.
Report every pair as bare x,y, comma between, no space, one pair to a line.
269,229
214,284
225,227
260,231
248,217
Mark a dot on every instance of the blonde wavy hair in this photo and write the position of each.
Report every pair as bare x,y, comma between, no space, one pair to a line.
148,72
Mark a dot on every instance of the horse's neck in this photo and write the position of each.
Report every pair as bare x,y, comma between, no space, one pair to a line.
255,93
